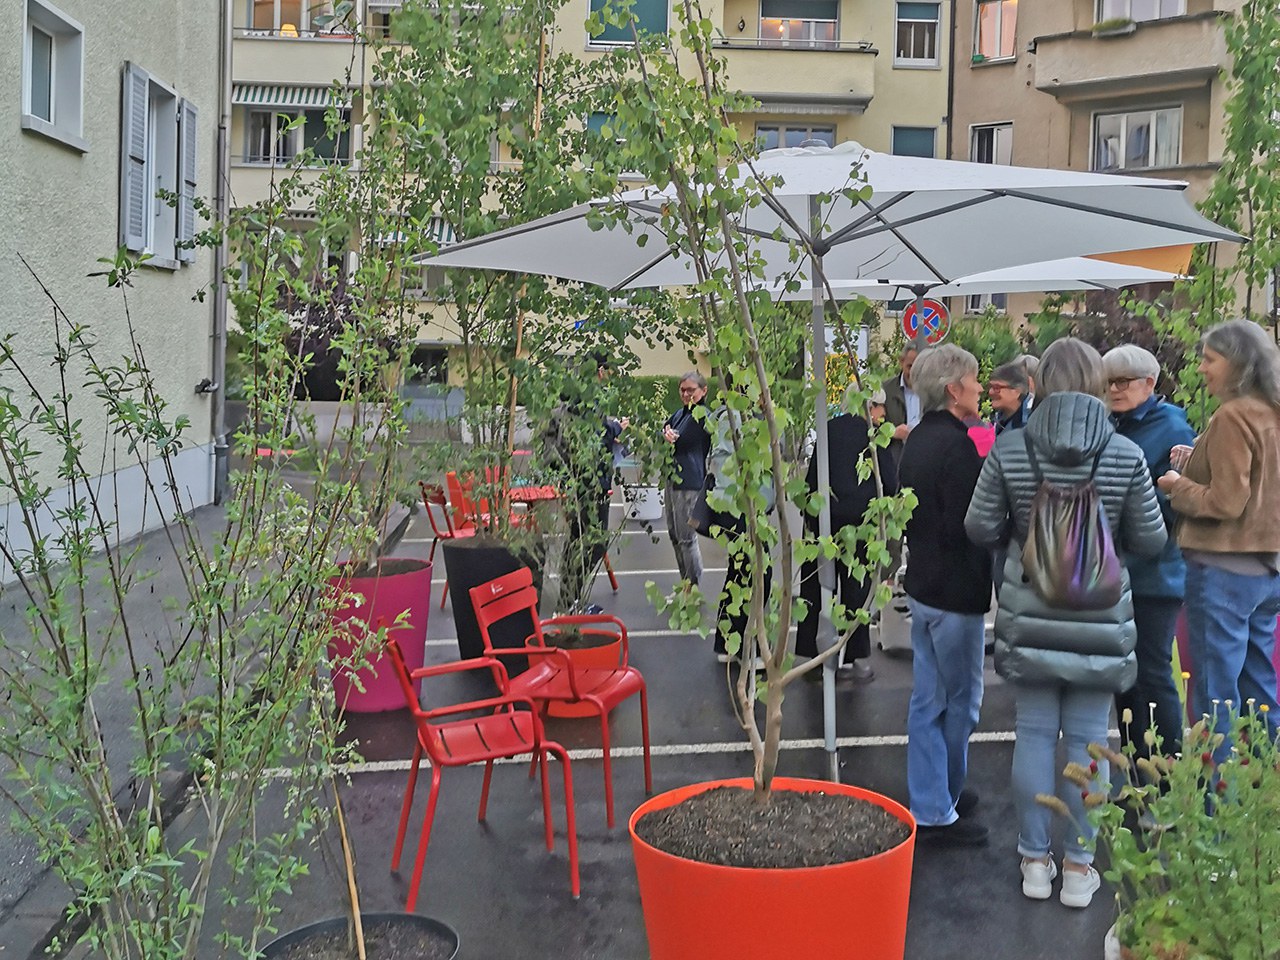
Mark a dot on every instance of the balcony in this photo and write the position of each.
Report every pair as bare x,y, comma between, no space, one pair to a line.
266,56
1155,56
839,75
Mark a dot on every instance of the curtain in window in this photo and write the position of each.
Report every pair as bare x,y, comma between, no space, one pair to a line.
1168,137
997,27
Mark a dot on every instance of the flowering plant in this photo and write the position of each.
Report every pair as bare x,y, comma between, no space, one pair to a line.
1192,844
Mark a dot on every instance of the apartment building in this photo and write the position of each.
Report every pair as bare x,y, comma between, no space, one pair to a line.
1114,86
110,108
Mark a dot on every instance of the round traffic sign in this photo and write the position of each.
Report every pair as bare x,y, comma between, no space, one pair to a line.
931,321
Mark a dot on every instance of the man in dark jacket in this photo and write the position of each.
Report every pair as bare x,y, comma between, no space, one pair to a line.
686,431
948,585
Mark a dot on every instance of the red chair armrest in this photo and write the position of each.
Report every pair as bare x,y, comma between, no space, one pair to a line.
602,619
459,666
486,704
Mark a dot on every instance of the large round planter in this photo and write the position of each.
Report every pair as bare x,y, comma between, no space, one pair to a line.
428,925
404,585
606,657
846,910
469,563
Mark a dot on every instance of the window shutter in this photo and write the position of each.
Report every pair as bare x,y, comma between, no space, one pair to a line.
133,159
188,163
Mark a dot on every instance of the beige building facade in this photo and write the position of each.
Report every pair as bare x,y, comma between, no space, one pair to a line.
1113,86
108,108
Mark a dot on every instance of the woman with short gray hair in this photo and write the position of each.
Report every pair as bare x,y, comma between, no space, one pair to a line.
948,586
1009,388
1228,499
1158,583
1064,665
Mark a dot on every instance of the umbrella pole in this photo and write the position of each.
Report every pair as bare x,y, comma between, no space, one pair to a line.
826,637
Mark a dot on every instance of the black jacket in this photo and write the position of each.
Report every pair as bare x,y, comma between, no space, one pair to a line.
691,449
847,438
944,569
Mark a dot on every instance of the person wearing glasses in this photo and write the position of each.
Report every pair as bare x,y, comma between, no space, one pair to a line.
1009,389
1158,583
687,433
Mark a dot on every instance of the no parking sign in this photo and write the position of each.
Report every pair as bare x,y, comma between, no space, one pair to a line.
931,321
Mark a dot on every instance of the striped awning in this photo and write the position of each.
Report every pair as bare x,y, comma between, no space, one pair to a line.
381,6
281,95
437,229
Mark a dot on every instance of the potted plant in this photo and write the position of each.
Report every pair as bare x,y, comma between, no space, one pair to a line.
1190,841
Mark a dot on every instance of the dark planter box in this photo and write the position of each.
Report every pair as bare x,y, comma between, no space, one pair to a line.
469,563
427,925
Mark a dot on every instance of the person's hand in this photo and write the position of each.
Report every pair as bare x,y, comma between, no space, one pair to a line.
669,434
900,431
1166,482
1179,455
624,422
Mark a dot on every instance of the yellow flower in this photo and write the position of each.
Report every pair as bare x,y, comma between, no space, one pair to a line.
1126,716
1077,774
1096,751
1264,707
1150,769
1095,799
1053,803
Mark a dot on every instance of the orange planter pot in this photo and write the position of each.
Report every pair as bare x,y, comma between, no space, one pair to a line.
847,910
607,657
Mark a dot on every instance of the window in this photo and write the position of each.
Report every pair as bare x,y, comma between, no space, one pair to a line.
799,23
429,365
913,141
1140,9
277,136
917,41
649,16
53,75
1137,140
978,302
991,143
996,21
159,140
770,135
289,18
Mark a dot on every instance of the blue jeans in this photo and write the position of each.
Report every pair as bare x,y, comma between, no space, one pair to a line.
1231,624
946,695
1153,698
1081,715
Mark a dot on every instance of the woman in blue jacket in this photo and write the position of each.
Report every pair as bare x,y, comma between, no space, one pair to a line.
1158,583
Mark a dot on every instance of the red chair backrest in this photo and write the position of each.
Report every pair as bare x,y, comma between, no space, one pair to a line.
427,735
437,506
504,597
464,509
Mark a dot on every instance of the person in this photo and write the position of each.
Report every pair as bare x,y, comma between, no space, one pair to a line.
1010,391
732,616
1064,665
848,436
901,403
948,587
1156,426
1227,497
687,433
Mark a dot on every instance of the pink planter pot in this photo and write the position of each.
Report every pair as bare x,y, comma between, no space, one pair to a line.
401,585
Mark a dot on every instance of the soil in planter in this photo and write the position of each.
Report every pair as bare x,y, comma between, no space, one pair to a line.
382,942
725,826
573,640
383,567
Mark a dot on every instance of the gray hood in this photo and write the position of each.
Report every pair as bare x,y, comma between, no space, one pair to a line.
1069,428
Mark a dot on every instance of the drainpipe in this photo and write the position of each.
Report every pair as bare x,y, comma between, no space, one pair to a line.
221,206
951,85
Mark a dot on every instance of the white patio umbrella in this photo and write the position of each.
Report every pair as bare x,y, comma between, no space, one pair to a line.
926,222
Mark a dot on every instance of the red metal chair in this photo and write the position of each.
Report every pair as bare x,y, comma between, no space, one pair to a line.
551,674
501,731
442,527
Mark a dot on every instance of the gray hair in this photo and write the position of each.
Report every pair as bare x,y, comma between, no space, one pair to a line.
1130,360
851,402
1030,362
937,368
1254,359
911,346
695,377
1071,366
1014,373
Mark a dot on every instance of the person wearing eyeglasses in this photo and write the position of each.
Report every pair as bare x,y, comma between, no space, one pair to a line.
1158,583
1009,389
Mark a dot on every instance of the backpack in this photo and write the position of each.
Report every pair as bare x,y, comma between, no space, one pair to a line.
1070,558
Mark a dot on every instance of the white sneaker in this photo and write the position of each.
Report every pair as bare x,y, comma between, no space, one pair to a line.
1078,888
1037,878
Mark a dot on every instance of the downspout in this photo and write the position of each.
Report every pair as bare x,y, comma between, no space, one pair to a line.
221,206
951,85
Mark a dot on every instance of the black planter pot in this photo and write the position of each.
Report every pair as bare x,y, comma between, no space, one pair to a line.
412,921
469,563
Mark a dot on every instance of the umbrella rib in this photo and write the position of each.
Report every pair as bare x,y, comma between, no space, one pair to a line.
649,265
1220,234
872,214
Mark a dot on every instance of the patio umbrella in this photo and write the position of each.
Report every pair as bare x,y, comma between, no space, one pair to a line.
926,222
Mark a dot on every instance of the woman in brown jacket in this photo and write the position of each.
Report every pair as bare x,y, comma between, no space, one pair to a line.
1227,498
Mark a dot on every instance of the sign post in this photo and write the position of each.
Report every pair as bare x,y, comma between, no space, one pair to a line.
928,319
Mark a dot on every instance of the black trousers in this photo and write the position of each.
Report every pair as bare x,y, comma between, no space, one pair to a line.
739,572
853,594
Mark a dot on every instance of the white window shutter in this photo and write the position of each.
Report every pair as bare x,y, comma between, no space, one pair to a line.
133,159
188,163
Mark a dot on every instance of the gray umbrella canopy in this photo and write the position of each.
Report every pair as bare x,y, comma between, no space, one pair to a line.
925,223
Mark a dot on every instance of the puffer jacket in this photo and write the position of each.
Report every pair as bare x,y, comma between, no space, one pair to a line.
1036,643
